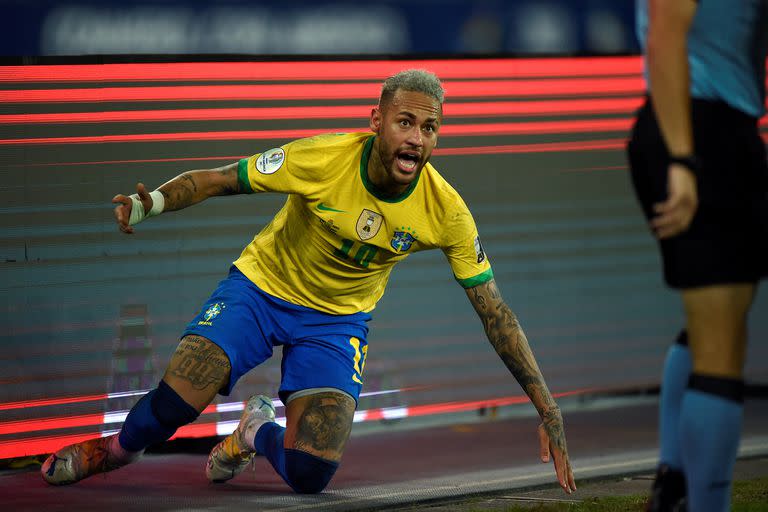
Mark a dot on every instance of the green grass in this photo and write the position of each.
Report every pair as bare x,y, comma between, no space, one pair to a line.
748,496
613,504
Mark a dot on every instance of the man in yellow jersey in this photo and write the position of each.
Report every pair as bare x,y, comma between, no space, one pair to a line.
357,204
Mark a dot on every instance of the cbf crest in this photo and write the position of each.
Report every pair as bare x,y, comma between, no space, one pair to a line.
211,313
402,239
368,224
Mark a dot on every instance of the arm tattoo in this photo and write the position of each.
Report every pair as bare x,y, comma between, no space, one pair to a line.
230,188
179,192
194,186
200,362
325,423
508,339
189,181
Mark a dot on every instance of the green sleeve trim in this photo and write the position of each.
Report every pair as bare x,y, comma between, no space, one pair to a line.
471,282
242,176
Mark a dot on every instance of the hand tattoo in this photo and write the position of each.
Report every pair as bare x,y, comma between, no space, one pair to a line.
553,425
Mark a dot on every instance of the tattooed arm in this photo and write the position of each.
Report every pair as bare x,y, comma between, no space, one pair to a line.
182,191
509,341
194,186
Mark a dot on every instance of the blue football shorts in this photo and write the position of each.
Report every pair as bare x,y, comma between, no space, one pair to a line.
319,350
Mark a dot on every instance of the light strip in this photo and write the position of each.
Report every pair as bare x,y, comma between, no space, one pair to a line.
49,444
44,402
451,130
368,91
29,404
546,147
451,110
323,70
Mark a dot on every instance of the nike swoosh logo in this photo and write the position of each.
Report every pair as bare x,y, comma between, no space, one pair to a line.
324,208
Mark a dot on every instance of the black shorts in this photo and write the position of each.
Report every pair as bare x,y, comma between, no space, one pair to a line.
727,241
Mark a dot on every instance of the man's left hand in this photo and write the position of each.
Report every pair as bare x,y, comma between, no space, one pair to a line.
559,453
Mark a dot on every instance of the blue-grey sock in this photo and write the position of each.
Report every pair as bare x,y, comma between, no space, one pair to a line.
710,428
269,442
677,370
155,418
303,472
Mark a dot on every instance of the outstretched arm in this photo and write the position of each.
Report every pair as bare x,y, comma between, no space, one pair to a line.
509,341
182,191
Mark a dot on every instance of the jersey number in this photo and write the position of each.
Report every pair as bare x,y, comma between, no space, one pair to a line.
359,359
363,255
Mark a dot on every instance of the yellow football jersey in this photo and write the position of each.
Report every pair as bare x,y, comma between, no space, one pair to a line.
333,244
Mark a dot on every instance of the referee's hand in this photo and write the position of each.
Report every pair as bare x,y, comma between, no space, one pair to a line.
674,215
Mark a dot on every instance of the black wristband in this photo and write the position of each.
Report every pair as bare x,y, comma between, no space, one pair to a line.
689,161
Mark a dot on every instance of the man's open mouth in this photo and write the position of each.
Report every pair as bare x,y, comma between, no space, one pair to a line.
408,160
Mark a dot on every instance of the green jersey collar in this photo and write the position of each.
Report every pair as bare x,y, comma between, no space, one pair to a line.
369,184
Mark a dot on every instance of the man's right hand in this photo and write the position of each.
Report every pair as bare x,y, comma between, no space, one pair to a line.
552,447
125,205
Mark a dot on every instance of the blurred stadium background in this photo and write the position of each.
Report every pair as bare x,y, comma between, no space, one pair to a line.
388,27
533,140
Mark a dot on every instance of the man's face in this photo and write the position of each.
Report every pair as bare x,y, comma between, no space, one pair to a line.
407,129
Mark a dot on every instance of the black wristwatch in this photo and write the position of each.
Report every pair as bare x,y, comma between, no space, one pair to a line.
690,161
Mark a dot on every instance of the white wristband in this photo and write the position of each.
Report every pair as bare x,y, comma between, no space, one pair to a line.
137,207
